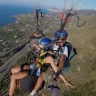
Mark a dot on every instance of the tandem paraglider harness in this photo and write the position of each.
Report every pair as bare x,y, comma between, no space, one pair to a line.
27,83
71,50
71,54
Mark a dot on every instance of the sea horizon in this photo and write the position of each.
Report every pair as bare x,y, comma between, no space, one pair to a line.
8,10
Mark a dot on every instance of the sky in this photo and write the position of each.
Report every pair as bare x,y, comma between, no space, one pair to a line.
83,4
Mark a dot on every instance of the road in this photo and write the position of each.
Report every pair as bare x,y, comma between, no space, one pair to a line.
11,61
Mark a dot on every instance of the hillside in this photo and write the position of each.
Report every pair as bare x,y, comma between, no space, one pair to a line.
80,12
86,12
83,70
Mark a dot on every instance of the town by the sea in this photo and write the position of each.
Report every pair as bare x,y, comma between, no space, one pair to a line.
8,10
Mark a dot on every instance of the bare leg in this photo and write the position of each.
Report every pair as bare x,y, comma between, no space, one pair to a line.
17,69
14,77
39,83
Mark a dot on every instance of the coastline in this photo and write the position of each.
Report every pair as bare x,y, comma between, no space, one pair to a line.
16,17
12,19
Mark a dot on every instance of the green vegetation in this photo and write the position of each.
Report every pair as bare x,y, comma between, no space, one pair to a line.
83,70
83,73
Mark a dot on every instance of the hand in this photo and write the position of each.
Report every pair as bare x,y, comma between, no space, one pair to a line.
67,84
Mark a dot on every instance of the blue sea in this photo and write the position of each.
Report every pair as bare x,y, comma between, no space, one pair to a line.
7,10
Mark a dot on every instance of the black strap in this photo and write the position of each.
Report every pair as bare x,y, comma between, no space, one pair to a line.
52,86
69,48
22,66
78,20
42,14
47,54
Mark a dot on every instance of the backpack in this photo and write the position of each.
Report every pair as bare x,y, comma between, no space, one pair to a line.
71,50
71,53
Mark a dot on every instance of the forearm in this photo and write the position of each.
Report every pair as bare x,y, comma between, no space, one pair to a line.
60,66
67,84
62,62
63,78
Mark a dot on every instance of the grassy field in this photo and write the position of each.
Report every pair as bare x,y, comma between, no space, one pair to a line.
83,69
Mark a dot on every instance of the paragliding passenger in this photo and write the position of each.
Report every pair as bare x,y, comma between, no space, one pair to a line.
47,59
60,70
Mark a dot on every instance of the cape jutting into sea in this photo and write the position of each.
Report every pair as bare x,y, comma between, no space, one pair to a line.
7,10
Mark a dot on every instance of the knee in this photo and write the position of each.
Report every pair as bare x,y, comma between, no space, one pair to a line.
15,69
12,70
12,77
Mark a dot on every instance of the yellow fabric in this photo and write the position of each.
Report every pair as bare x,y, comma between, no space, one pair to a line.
48,74
41,61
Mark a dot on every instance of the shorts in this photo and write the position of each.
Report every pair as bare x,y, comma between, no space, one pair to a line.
28,83
65,70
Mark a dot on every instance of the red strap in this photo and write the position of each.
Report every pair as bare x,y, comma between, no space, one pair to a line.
68,19
62,15
37,61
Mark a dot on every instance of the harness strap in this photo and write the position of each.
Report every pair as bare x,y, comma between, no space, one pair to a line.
33,70
52,86
22,66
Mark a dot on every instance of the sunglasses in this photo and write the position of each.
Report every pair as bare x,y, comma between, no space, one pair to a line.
62,38
58,38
